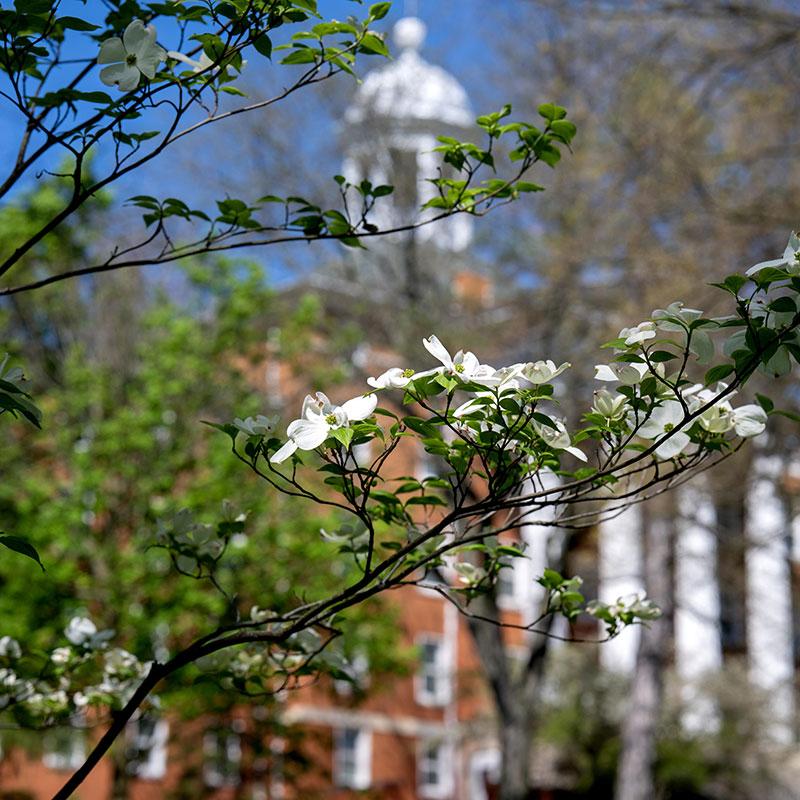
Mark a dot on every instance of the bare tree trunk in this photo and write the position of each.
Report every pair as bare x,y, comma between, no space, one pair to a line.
516,694
635,779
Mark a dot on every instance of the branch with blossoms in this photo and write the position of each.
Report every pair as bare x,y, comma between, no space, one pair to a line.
506,458
64,116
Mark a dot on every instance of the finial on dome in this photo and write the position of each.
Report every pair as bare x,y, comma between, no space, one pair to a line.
409,33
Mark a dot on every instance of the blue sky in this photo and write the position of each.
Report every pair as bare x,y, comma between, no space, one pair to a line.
454,41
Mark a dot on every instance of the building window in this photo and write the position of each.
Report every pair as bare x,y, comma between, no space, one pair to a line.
352,758
147,747
432,685
222,752
63,748
433,771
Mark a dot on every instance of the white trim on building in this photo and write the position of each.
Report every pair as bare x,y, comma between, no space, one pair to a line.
352,758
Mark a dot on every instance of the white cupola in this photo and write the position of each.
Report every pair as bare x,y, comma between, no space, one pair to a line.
389,133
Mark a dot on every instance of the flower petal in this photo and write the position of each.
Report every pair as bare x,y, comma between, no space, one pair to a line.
123,76
602,372
394,378
284,452
673,446
579,454
137,37
775,262
308,434
438,351
149,60
750,420
111,51
360,407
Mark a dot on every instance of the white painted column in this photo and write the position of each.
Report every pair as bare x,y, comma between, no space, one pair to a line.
535,533
769,600
698,645
620,573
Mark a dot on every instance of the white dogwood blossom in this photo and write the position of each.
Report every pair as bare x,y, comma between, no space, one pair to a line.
665,419
538,372
626,374
130,57
257,426
790,261
318,418
394,378
664,318
638,334
464,365
749,420
558,438
9,648
608,405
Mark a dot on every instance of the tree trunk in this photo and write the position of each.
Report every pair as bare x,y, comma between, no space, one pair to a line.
635,778
516,733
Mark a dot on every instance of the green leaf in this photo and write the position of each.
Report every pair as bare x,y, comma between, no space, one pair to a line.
765,402
783,305
303,55
20,545
343,435
228,428
372,43
379,10
564,129
263,45
76,24
552,112
718,373
702,346
526,186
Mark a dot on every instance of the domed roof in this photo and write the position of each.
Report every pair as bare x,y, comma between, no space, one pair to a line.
409,88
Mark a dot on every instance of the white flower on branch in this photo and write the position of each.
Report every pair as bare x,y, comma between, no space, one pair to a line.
9,648
626,374
542,371
464,365
641,333
608,405
132,56
257,426
790,261
394,378
665,419
82,632
318,418
749,420
558,438
200,64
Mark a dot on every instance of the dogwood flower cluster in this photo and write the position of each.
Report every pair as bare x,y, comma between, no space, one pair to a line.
56,690
320,417
673,417
673,413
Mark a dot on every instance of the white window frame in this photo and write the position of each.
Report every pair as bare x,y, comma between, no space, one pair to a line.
441,764
517,573
439,670
233,755
360,754
154,766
